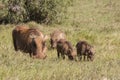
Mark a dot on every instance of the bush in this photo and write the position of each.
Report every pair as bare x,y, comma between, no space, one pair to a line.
3,12
41,11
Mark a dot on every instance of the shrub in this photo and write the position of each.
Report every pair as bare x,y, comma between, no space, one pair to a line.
3,12
41,11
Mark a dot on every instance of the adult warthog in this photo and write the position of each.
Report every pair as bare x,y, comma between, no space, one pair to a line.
29,40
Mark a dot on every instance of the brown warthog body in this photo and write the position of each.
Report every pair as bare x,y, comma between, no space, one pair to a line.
65,48
29,40
55,37
85,49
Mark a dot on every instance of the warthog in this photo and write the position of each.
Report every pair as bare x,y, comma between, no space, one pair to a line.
55,37
65,48
85,49
29,40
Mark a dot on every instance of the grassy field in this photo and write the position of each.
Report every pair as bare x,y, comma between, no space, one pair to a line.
97,22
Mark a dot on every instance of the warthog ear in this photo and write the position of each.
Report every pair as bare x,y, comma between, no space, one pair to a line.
46,37
88,47
93,49
32,36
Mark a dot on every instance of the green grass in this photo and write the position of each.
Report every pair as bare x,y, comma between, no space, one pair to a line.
95,22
